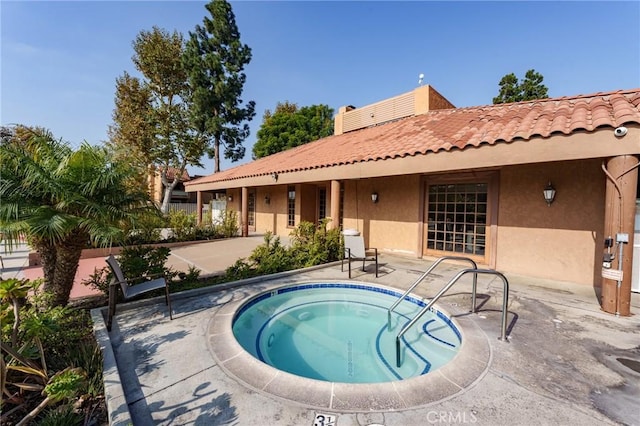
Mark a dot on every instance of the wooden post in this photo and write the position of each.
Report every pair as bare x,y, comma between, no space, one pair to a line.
620,205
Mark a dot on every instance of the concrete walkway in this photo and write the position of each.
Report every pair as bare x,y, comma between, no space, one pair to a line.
565,362
213,257
210,257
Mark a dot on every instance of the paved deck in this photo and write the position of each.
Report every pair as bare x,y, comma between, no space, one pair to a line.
562,364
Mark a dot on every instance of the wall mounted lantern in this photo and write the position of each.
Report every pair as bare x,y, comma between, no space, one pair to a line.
274,176
267,199
549,193
230,198
374,197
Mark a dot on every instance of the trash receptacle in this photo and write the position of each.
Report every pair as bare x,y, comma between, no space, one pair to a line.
351,232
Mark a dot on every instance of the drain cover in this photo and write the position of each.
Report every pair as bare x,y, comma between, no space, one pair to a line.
630,363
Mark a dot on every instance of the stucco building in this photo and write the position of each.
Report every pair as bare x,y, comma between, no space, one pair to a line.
418,176
178,195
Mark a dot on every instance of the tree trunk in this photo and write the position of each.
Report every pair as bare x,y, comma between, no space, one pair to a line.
166,199
216,153
48,255
69,251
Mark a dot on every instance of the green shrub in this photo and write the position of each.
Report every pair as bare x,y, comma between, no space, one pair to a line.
268,258
206,232
73,345
206,217
146,229
63,415
138,264
315,245
52,360
272,257
310,245
88,356
183,225
229,226
239,271
193,275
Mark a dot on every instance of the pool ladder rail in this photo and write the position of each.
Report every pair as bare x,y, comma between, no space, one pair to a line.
475,271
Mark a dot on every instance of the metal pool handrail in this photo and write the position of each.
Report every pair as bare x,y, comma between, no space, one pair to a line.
423,276
505,297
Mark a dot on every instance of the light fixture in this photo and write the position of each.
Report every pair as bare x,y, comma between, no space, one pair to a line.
230,198
374,197
274,176
267,199
549,193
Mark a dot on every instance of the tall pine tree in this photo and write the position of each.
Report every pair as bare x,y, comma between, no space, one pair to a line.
214,60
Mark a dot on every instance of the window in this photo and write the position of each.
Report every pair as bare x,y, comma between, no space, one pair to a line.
291,206
251,204
457,218
322,203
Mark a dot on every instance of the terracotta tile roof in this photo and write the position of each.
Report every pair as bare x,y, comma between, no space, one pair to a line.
445,130
171,173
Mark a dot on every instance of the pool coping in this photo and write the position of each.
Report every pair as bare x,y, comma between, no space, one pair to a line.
115,397
468,367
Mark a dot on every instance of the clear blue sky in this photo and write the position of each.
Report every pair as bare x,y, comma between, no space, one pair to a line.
60,60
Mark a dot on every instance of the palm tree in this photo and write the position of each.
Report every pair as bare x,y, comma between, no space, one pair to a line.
63,199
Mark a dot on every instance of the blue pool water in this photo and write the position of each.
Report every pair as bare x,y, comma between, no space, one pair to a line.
338,332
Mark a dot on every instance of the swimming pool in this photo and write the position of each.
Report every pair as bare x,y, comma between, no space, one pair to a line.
338,332
464,370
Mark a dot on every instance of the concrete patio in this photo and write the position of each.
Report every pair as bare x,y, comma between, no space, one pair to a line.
565,362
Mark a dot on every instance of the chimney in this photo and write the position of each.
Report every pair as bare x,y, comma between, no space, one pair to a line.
338,120
429,99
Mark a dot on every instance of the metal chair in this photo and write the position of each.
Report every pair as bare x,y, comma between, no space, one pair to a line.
354,249
130,291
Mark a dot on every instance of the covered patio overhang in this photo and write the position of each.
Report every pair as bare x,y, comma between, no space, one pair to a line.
620,170
576,146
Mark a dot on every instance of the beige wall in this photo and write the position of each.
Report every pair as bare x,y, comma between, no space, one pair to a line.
563,241
272,217
155,187
391,224
235,204
306,196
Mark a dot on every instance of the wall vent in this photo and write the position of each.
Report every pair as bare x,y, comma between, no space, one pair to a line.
418,101
380,112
